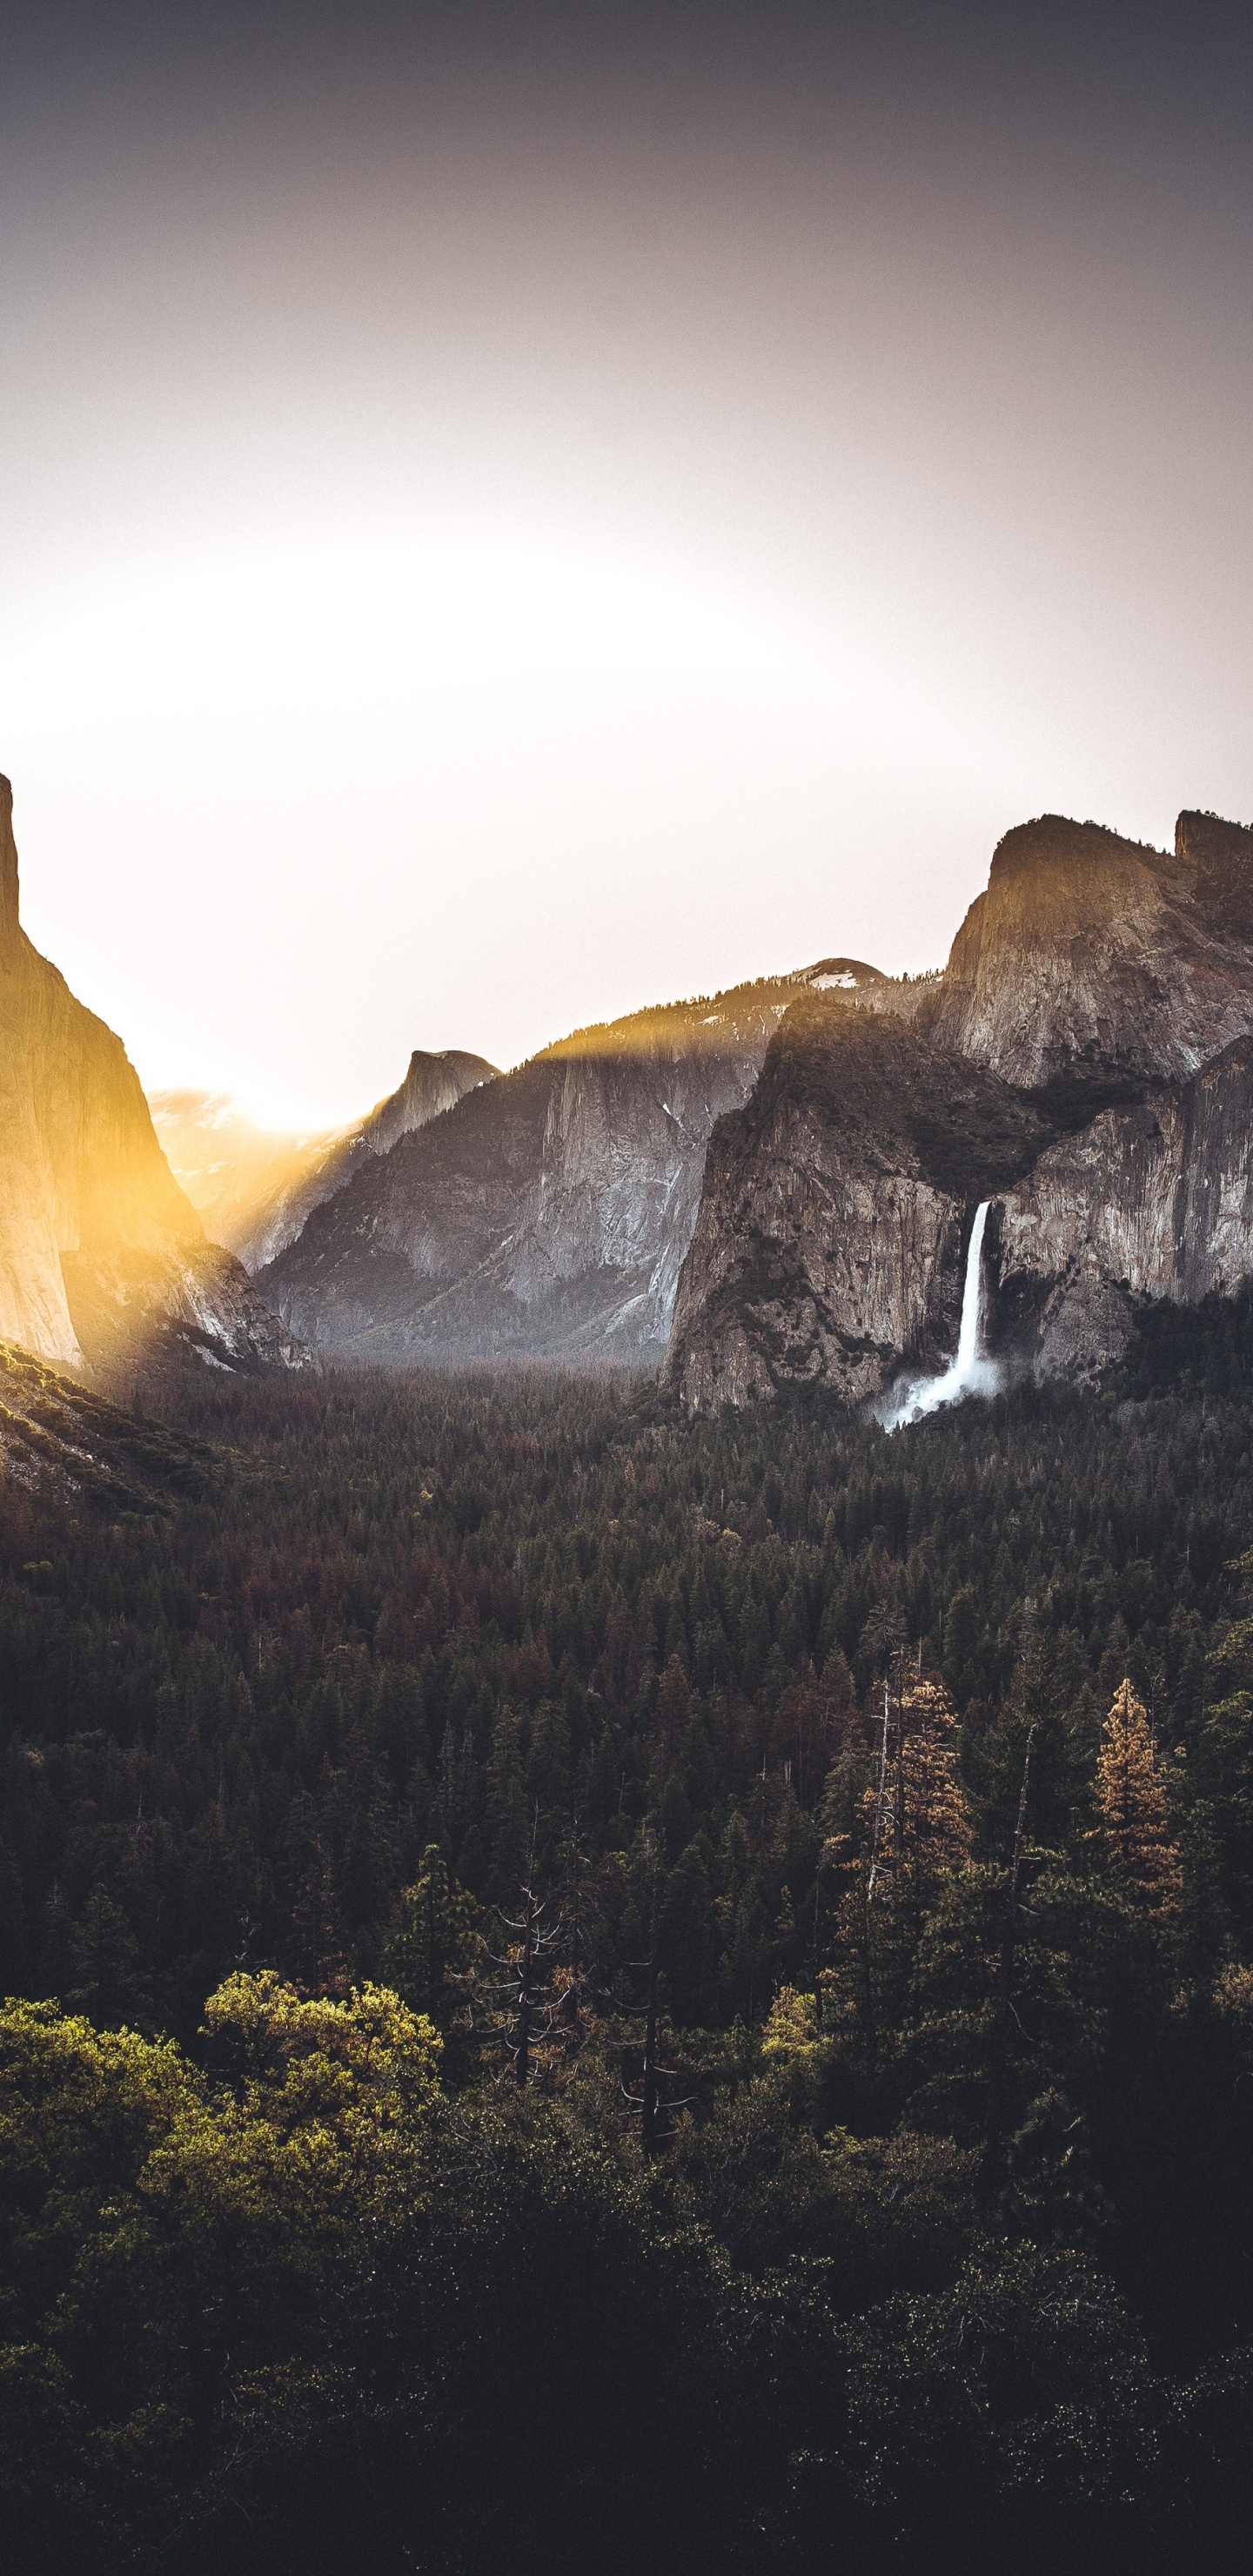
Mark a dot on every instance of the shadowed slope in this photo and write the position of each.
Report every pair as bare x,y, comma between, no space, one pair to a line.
255,1188
549,1212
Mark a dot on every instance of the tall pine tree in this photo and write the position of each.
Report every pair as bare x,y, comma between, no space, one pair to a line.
1131,1804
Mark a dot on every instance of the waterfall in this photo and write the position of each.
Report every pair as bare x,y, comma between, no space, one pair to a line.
969,1373
972,1297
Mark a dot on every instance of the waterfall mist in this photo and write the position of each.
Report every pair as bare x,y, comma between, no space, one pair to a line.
969,1373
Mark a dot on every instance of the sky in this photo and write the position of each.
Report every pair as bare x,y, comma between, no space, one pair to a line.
508,514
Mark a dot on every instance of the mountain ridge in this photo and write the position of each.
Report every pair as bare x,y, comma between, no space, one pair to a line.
1107,988
257,1187
547,1215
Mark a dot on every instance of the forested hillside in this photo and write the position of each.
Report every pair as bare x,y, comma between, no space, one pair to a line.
604,1989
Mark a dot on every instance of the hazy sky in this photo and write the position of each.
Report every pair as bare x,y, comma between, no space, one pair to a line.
507,515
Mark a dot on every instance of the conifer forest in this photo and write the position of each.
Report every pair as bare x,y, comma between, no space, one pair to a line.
594,1991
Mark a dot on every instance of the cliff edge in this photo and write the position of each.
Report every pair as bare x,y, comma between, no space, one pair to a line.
1083,1064
101,1254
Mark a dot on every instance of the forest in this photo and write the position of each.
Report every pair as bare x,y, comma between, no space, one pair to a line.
586,1989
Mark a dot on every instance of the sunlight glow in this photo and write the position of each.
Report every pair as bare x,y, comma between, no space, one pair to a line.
465,745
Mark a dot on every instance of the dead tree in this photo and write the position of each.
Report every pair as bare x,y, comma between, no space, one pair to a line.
999,2051
531,2013
881,1788
656,2106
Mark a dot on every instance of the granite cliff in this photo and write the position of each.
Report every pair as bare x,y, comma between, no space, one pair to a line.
103,1261
1153,1200
1091,958
835,1205
548,1212
1084,1064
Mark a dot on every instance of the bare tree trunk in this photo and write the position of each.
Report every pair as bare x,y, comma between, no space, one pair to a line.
576,1940
648,2106
867,1972
1004,1992
522,2061
880,1799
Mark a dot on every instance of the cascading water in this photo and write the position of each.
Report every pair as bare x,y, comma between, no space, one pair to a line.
969,1373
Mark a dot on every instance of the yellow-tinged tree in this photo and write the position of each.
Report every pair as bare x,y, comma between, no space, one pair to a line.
932,1826
1131,1804
356,2069
178,2249
792,2037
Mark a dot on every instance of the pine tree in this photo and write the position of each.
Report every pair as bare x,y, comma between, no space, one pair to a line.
933,1826
506,1808
434,1949
917,1810
105,1957
670,1719
1131,1803
316,1938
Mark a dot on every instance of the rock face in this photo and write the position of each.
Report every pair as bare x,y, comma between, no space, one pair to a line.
254,1188
1085,1062
1091,958
102,1258
432,1084
831,1235
1152,1200
547,1213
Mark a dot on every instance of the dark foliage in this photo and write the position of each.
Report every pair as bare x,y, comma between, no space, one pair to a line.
951,2257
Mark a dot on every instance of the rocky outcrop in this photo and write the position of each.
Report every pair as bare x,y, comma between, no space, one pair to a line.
432,1084
255,1188
140,1315
1103,994
831,1236
59,1435
549,1213
1091,960
1152,1200
100,1252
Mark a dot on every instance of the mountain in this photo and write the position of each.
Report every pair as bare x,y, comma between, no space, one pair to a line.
1090,955
254,1187
103,1260
548,1213
1083,1063
829,1235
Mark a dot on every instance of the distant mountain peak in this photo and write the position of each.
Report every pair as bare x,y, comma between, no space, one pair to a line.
838,975
255,1186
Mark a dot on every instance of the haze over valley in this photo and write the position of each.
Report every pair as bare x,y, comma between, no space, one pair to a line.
626,1288
761,1190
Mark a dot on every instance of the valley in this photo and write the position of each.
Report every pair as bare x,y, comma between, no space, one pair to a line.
626,1290
758,1190
625,1791
774,1188
380,1742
